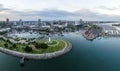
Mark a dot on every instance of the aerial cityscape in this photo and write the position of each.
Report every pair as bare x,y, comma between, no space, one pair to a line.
59,35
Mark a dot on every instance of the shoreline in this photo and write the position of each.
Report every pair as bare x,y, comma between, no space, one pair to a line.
44,56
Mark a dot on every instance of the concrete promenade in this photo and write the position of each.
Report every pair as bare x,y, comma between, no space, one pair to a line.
44,56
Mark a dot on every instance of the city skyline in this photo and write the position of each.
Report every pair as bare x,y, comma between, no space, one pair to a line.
103,10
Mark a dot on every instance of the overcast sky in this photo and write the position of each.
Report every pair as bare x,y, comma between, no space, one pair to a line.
60,9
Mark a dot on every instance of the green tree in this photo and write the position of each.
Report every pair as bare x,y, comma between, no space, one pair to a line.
28,49
14,45
37,45
6,45
43,46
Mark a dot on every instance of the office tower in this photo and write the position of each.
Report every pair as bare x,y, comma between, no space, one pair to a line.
20,22
81,21
39,22
7,21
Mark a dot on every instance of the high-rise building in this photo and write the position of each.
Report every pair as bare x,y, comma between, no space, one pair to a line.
7,21
39,22
81,21
20,22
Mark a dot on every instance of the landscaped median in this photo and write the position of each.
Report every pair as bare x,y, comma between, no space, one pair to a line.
39,49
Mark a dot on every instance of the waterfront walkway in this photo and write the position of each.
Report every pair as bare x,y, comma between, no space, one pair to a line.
43,56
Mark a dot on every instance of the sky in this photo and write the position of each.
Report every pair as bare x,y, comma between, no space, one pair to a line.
90,10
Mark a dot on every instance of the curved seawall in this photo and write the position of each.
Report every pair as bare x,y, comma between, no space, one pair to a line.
43,56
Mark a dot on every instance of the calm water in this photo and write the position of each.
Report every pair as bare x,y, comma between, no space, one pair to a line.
99,55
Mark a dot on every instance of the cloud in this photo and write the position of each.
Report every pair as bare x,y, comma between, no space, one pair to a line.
45,13
55,14
108,8
91,15
2,8
86,14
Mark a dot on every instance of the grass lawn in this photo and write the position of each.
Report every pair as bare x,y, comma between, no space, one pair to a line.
20,47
